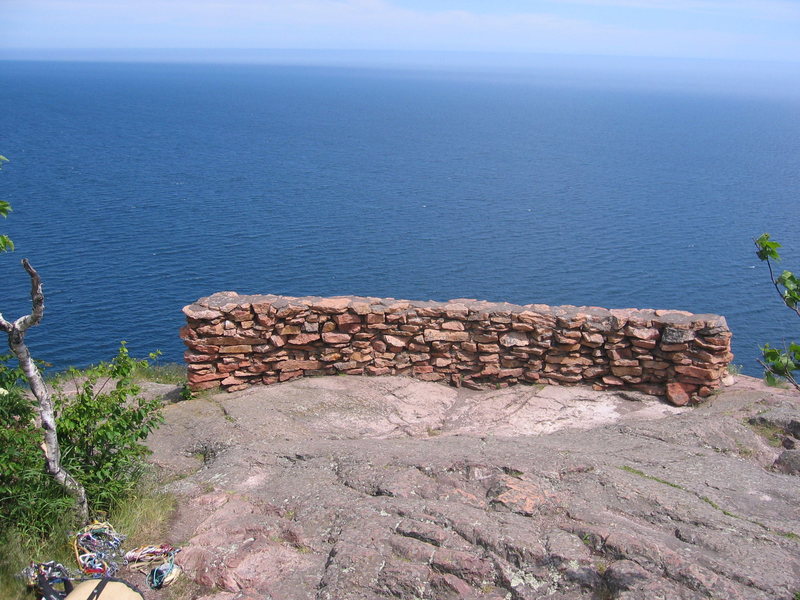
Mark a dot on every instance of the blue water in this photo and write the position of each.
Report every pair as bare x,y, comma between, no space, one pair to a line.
138,188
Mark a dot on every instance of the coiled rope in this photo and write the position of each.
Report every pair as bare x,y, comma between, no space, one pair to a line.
97,549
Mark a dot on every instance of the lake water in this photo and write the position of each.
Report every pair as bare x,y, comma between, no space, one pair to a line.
138,188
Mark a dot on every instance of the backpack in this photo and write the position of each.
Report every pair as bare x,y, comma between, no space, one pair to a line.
106,588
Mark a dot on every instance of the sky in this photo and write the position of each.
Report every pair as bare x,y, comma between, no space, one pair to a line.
706,29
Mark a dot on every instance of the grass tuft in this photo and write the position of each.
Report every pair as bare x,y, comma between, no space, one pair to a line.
771,433
172,373
143,516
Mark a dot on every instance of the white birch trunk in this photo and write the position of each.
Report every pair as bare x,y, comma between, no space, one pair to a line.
16,341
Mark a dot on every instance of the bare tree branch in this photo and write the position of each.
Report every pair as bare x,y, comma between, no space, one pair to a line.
51,447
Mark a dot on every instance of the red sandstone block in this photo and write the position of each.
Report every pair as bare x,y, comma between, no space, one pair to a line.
562,378
361,308
243,349
567,347
293,365
211,330
620,353
625,363
372,370
430,376
396,342
191,357
331,305
265,320
435,335
593,372
623,371
303,339
346,318
287,375
201,348
511,373
485,338
193,378
415,347
674,347
646,344
488,348
699,373
678,394
643,333
593,340
335,338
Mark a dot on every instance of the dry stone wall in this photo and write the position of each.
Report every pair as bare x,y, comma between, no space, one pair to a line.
235,341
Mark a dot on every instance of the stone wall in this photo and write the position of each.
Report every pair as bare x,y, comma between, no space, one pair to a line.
235,341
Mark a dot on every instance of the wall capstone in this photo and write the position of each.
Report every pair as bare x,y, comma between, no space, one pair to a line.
235,341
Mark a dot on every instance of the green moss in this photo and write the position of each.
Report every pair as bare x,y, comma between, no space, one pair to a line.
628,469
771,433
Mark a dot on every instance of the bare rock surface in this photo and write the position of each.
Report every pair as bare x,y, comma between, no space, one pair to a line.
370,488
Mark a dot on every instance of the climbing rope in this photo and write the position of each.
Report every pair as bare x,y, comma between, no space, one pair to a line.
164,574
144,557
97,549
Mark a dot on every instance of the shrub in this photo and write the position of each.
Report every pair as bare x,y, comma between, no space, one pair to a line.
101,425
30,500
101,421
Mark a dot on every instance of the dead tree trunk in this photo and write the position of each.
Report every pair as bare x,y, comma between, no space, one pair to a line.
16,341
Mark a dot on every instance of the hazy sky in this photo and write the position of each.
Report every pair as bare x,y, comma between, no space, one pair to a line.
738,29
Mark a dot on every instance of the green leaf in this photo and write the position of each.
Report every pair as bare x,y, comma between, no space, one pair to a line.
6,245
766,249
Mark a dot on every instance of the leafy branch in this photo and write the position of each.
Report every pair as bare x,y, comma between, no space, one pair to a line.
5,207
776,362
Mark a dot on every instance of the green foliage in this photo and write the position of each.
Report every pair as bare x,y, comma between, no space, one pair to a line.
101,421
30,499
5,243
766,249
780,364
100,427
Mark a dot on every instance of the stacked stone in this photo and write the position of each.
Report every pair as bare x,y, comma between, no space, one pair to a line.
236,341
